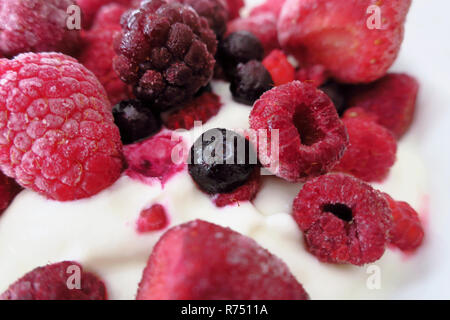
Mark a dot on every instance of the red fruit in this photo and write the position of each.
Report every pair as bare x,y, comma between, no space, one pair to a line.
57,133
360,113
247,192
202,261
316,74
392,99
279,67
201,109
269,6
312,138
152,158
152,219
371,152
339,34
57,282
98,52
89,8
343,219
263,26
234,6
407,233
8,191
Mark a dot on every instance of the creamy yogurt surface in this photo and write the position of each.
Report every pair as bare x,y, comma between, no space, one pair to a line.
100,232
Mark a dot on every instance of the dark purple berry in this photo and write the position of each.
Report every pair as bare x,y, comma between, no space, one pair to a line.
221,161
250,82
135,121
336,94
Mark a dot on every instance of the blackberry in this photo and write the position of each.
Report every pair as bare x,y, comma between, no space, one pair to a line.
135,121
250,82
239,47
165,51
221,161
336,94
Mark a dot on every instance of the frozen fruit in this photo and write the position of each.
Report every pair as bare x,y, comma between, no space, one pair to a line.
220,161
36,25
90,8
343,219
154,158
57,133
336,92
352,41
8,191
152,219
360,113
238,47
98,53
371,152
166,52
263,26
57,281
315,74
202,108
407,233
311,137
250,81
392,99
269,6
234,7
135,121
279,67
202,261
247,192
215,11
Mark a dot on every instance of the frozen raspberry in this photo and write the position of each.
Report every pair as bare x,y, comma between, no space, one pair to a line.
312,138
89,8
215,11
371,152
152,219
342,36
152,158
36,25
263,26
223,171
8,191
135,121
247,192
343,219
202,261
336,92
407,233
53,282
166,51
250,82
57,133
392,99
279,67
316,74
202,108
269,6
234,8
98,53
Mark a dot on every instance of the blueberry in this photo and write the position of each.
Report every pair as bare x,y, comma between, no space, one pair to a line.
250,82
135,121
221,161
336,93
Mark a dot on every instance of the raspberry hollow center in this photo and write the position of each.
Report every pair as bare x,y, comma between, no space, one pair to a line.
340,210
307,126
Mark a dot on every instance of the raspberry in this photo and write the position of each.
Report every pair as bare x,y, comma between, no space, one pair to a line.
336,92
8,191
152,219
166,51
152,158
250,82
215,11
202,108
202,261
407,233
89,8
316,74
135,121
36,25
52,283
223,171
57,135
343,219
279,67
98,52
371,152
246,192
269,6
340,35
234,7
392,99
263,26
312,138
